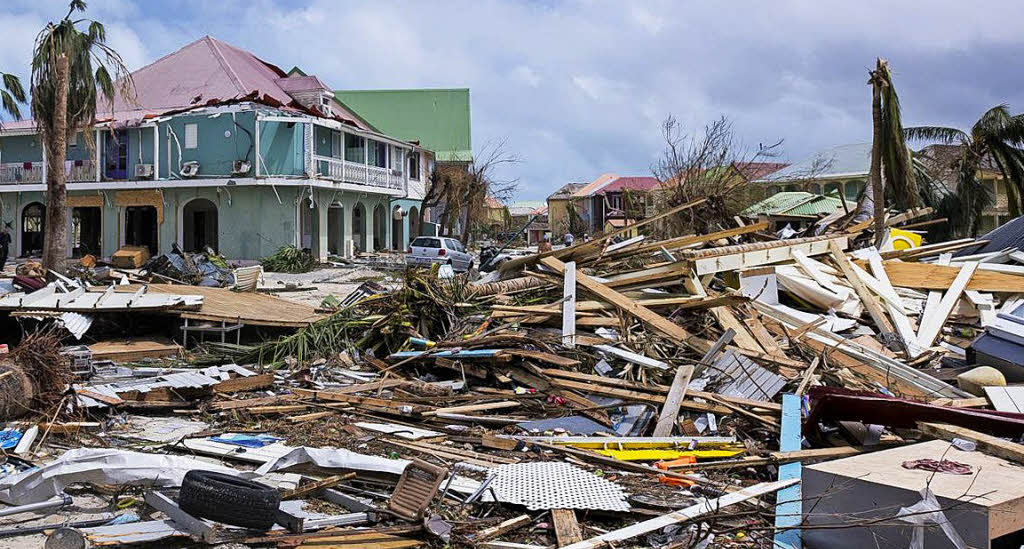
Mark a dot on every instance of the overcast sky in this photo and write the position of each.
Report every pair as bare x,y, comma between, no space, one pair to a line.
579,88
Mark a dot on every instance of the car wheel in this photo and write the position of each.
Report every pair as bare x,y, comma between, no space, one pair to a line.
229,499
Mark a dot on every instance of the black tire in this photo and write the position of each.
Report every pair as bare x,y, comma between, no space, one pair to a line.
229,499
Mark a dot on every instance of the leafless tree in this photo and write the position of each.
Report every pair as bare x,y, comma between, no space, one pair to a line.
708,164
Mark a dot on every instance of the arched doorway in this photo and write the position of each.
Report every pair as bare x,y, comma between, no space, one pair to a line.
358,223
335,229
414,223
307,231
397,227
380,240
33,223
86,231
199,223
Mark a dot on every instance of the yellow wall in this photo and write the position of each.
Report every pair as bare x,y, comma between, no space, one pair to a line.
558,216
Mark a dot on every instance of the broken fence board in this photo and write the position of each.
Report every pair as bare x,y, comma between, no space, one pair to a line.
931,323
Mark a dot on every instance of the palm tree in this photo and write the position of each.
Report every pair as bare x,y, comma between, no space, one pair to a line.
11,94
891,168
70,68
996,137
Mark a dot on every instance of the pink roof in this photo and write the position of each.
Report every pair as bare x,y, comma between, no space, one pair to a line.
208,71
753,171
632,183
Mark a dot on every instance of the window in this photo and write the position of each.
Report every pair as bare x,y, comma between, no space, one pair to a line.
336,142
191,136
414,166
398,162
73,140
378,154
453,244
354,148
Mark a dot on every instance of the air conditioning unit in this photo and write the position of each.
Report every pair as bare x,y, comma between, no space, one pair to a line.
190,169
143,170
240,167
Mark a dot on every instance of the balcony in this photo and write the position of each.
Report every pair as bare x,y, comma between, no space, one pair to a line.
336,169
27,173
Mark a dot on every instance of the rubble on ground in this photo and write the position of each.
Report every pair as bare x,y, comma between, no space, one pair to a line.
730,389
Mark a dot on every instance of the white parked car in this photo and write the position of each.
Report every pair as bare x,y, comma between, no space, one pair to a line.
426,250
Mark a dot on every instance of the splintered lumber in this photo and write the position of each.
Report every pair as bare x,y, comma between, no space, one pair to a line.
930,276
393,405
251,402
567,529
663,389
499,529
726,318
899,318
595,244
986,443
661,324
865,295
932,321
703,508
641,397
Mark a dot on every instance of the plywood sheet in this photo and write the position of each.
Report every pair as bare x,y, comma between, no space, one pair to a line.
131,350
243,307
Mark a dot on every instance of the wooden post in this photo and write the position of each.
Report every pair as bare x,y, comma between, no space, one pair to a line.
567,529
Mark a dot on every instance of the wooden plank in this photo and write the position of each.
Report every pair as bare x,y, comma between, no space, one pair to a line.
807,376
703,508
1006,399
244,383
249,308
473,408
393,405
567,529
569,306
670,410
899,318
931,324
986,443
931,276
789,509
742,256
499,529
726,319
866,297
640,397
690,240
251,402
133,350
314,487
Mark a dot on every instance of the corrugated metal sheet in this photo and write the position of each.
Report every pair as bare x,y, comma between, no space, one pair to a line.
841,161
178,380
794,203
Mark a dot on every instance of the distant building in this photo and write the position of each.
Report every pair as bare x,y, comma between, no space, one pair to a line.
941,162
841,170
560,209
521,212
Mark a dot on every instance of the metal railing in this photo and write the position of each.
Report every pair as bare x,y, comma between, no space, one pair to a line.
336,169
15,173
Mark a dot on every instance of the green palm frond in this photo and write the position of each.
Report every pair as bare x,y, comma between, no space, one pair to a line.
946,136
12,94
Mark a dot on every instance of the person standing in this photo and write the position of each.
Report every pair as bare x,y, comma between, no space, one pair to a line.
5,244
568,239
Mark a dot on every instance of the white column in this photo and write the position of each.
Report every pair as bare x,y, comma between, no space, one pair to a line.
321,229
44,159
99,159
256,148
368,223
346,221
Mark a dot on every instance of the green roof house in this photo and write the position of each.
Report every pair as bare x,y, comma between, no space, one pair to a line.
438,119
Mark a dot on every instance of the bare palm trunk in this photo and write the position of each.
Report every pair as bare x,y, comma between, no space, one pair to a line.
875,176
55,237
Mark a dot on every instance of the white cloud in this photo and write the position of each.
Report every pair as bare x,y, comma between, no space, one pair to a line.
579,86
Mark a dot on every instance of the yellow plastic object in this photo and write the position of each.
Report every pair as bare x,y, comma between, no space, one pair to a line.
660,455
902,240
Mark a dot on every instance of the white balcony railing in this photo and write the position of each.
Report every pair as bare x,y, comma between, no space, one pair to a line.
14,173
344,171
